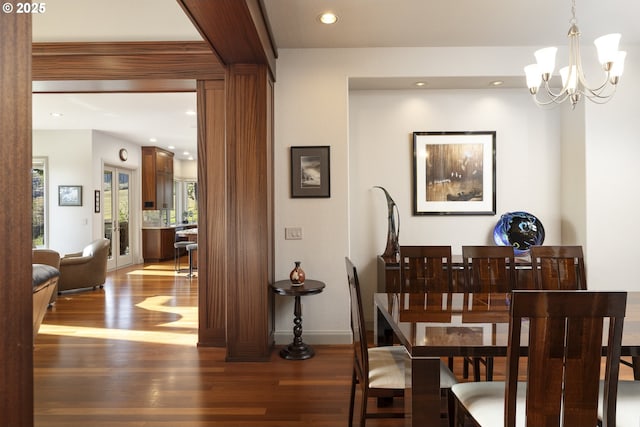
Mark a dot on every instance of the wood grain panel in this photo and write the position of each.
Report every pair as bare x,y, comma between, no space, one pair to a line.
16,304
212,229
236,29
248,163
125,60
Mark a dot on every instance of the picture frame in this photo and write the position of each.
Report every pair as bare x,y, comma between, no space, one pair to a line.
310,171
70,195
454,173
96,201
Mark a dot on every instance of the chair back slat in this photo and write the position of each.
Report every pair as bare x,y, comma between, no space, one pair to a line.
565,350
558,267
425,269
358,327
489,268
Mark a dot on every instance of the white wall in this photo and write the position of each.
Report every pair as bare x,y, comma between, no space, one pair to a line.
76,157
312,108
69,156
381,153
612,140
576,170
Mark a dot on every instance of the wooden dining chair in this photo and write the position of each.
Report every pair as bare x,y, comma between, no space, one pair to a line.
380,371
558,267
562,376
487,269
425,269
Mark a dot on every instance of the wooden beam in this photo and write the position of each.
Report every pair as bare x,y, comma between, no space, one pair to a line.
236,29
16,295
125,61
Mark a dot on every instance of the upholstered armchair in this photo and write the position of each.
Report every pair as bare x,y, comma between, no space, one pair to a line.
86,269
51,258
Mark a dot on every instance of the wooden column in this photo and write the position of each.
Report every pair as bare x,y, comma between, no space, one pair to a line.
16,297
250,213
212,225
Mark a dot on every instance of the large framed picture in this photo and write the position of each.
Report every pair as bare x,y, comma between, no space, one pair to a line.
70,195
454,173
310,171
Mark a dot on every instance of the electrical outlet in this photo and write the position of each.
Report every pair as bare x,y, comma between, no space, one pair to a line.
293,233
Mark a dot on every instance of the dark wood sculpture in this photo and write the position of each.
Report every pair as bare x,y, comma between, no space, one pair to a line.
392,250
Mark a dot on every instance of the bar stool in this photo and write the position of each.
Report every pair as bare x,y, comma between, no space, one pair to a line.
191,248
177,246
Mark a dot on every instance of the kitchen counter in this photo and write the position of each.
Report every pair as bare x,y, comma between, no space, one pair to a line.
171,227
157,242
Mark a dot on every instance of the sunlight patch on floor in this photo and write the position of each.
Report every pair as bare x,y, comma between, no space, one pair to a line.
189,314
152,272
156,337
187,320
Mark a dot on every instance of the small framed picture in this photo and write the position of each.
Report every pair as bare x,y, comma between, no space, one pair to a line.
70,195
96,201
310,171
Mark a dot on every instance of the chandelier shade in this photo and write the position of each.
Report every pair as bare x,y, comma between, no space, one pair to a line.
574,83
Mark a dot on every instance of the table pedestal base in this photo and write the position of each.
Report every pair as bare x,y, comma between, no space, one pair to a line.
297,352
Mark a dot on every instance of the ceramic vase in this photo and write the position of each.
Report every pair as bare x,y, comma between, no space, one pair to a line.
297,274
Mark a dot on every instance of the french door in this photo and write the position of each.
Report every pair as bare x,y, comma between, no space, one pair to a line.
116,194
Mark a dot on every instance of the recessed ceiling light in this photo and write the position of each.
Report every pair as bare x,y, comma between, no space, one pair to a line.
190,113
421,84
56,114
496,83
171,147
152,139
328,18
186,153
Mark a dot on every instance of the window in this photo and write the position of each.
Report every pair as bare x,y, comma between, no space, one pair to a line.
186,201
39,229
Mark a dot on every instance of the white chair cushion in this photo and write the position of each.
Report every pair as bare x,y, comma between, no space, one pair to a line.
485,401
627,405
387,368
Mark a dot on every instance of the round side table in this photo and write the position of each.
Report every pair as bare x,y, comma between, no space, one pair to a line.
297,350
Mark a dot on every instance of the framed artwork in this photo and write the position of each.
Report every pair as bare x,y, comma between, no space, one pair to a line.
96,201
70,195
310,171
454,173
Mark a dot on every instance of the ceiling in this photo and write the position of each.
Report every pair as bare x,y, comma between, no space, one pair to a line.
294,24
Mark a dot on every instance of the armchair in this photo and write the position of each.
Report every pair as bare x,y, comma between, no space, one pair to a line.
51,258
86,269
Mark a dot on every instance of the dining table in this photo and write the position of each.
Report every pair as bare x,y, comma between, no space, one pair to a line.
432,326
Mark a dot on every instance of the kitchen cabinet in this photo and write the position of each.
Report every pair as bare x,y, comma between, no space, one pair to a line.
157,178
157,243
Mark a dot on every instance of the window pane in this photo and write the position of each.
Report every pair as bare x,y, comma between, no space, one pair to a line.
39,203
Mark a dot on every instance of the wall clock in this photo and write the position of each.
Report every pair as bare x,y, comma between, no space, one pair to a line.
124,155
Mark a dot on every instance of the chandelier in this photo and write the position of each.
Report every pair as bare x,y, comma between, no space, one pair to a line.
574,83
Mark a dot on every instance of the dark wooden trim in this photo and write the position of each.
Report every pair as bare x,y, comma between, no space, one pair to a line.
125,61
236,29
213,196
16,296
115,86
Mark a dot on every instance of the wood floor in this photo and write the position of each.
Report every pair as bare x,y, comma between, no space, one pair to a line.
126,355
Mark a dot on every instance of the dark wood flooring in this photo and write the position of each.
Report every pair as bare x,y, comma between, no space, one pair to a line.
126,355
